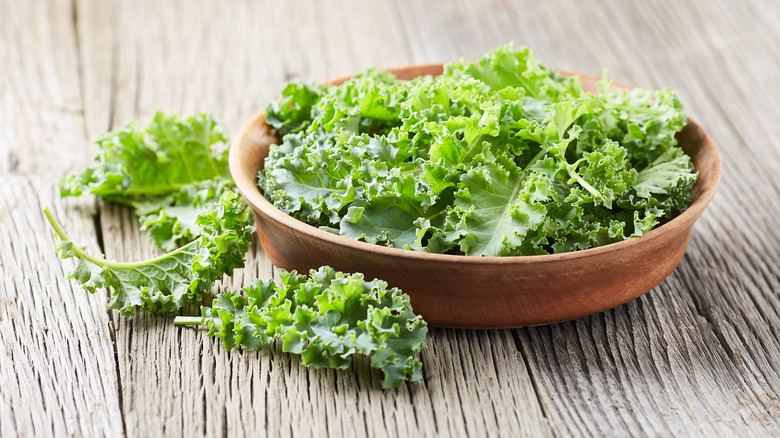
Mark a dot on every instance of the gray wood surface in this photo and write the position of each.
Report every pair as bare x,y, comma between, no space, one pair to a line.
697,356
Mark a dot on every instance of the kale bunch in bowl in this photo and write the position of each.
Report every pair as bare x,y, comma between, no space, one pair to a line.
499,157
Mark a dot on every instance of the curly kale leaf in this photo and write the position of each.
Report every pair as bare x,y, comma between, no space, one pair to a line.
502,156
163,284
167,155
170,220
326,317
169,171
492,213
293,112
507,67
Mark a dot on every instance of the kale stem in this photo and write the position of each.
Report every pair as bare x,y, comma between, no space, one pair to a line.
54,224
536,158
583,183
188,320
103,262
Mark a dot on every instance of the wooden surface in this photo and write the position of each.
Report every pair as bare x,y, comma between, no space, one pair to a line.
699,355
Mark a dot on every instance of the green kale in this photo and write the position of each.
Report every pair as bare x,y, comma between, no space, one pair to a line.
498,157
164,157
325,317
170,172
163,284
170,220
181,190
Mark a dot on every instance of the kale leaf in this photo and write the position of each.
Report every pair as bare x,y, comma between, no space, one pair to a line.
326,317
502,156
163,284
170,171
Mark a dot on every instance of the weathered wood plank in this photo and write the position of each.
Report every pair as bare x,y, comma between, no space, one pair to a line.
696,356
57,363
39,95
711,327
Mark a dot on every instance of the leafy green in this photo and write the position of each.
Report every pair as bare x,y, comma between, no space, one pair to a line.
498,157
169,171
293,109
492,213
163,284
181,190
165,156
505,67
170,220
326,317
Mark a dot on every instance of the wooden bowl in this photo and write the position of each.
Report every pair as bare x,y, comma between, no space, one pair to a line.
483,292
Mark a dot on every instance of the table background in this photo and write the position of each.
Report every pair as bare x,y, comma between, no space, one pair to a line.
698,355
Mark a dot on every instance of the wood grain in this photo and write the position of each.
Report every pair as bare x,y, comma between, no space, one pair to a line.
696,356
57,363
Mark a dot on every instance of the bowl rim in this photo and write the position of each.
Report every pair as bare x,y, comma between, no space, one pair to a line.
247,186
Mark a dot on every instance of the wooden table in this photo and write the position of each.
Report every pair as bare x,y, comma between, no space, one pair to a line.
698,355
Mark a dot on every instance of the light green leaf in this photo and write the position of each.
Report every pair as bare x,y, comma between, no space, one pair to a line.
664,174
492,213
165,283
164,157
326,317
170,221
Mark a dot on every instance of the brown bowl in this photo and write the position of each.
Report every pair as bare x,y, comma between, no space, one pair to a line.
483,292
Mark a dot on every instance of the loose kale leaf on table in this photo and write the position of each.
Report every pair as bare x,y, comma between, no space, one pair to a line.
163,284
169,171
170,220
189,208
326,317
168,154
